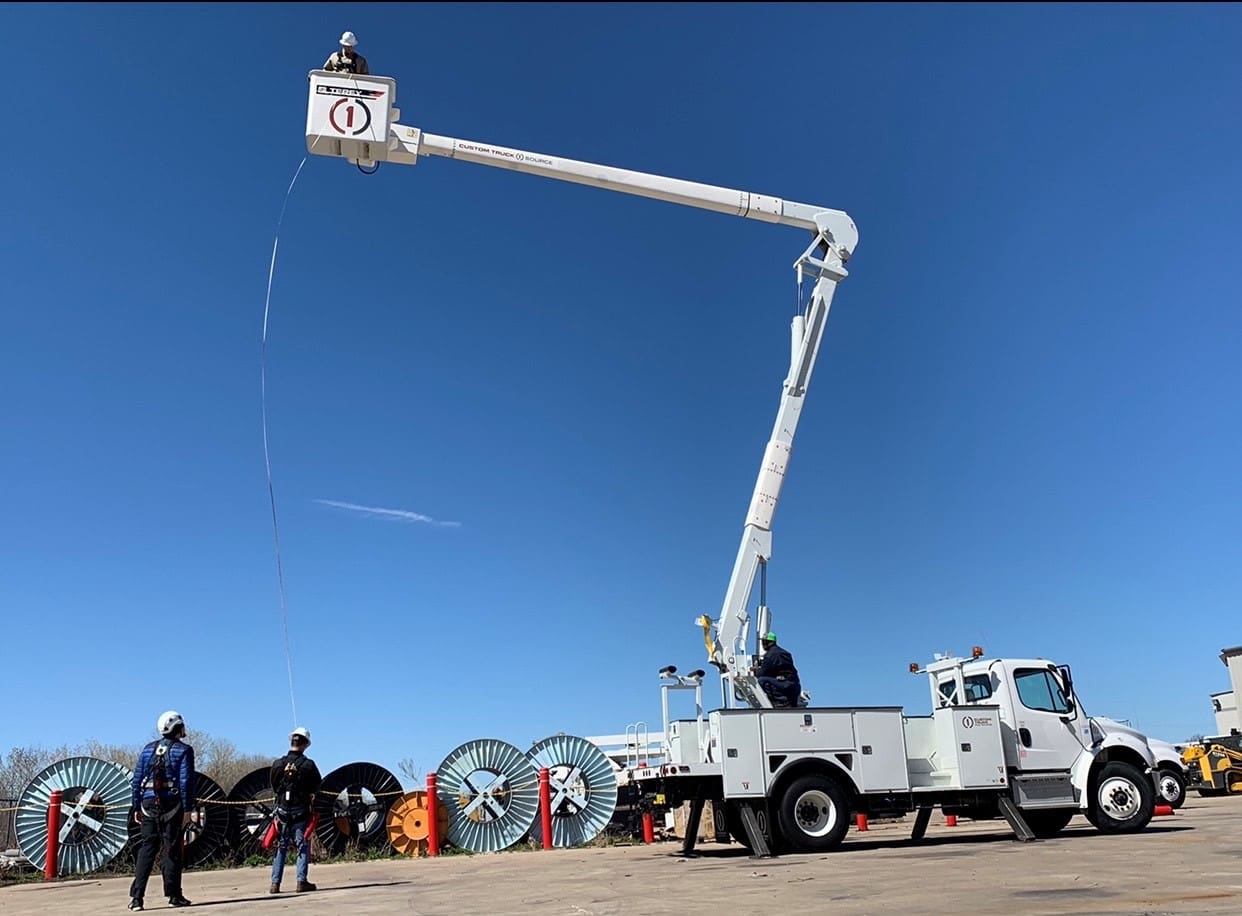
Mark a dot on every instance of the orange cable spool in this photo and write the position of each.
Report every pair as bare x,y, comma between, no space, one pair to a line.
408,823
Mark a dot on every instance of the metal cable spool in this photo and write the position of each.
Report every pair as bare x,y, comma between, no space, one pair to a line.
208,831
409,823
582,783
352,806
95,806
249,822
491,792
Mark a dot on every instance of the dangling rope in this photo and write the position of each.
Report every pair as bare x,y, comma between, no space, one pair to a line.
271,491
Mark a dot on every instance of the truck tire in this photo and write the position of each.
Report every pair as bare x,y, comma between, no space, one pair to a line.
814,814
1172,788
1122,799
1047,823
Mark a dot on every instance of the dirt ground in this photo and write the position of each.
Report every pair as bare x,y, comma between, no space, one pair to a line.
1189,863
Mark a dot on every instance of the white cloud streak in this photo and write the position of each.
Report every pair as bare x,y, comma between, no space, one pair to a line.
393,515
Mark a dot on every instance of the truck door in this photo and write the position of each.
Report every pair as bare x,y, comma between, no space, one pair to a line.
1045,723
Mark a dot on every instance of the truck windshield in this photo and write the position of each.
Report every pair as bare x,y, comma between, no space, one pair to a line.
1039,690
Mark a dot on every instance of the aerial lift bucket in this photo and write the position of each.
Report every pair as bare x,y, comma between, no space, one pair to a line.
350,116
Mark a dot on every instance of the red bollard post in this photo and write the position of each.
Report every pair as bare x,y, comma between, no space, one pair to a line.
862,823
53,835
433,817
648,827
545,807
950,820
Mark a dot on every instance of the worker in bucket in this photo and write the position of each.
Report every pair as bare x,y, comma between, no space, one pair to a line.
295,780
163,797
347,60
776,672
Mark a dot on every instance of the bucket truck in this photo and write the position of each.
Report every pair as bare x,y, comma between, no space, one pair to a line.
1005,737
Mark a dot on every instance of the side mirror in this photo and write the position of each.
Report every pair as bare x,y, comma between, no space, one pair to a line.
1067,678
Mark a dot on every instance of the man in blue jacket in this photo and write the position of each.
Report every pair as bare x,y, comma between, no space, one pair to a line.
163,798
777,675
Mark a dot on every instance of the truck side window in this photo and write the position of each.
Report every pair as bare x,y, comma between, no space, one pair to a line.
948,692
1038,690
978,688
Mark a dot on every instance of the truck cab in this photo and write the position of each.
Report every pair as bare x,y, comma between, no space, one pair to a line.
1058,757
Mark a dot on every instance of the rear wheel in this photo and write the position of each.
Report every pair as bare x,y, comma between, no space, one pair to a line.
814,814
1122,799
1172,788
1048,823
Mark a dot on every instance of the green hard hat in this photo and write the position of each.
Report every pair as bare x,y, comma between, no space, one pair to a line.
769,636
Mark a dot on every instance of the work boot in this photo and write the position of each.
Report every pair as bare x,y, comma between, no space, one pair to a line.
178,900
305,886
274,889
135,903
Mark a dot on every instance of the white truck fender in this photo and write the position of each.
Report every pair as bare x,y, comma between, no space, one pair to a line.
1102,741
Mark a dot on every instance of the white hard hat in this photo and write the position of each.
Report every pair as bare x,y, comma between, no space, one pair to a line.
349,39
168,721
302,733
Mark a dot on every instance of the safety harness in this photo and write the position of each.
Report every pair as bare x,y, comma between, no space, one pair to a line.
343,64
292,801
160,780
293,804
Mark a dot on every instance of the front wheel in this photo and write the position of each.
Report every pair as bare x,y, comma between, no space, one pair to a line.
1047,823
814,814
1123,799
1172,788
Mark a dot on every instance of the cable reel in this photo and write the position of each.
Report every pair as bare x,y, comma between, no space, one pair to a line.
491,792
95,806
409,823
353,804
251,811
583,787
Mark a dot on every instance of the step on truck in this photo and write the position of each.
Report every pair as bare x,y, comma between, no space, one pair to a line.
1006,738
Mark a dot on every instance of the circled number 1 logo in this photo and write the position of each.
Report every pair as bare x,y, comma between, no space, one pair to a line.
350,116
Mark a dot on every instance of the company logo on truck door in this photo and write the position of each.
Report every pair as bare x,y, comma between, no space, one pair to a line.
972,721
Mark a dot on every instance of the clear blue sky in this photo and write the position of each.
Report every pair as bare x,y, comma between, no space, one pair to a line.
1024,431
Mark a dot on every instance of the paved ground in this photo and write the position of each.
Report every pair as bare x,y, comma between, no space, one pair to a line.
1190,863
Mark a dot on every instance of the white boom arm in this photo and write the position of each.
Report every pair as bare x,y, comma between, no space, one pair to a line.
355,117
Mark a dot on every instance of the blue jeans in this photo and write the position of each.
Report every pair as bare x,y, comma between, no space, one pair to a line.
297,834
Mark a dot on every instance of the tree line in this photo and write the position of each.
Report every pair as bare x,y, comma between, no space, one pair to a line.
214,757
